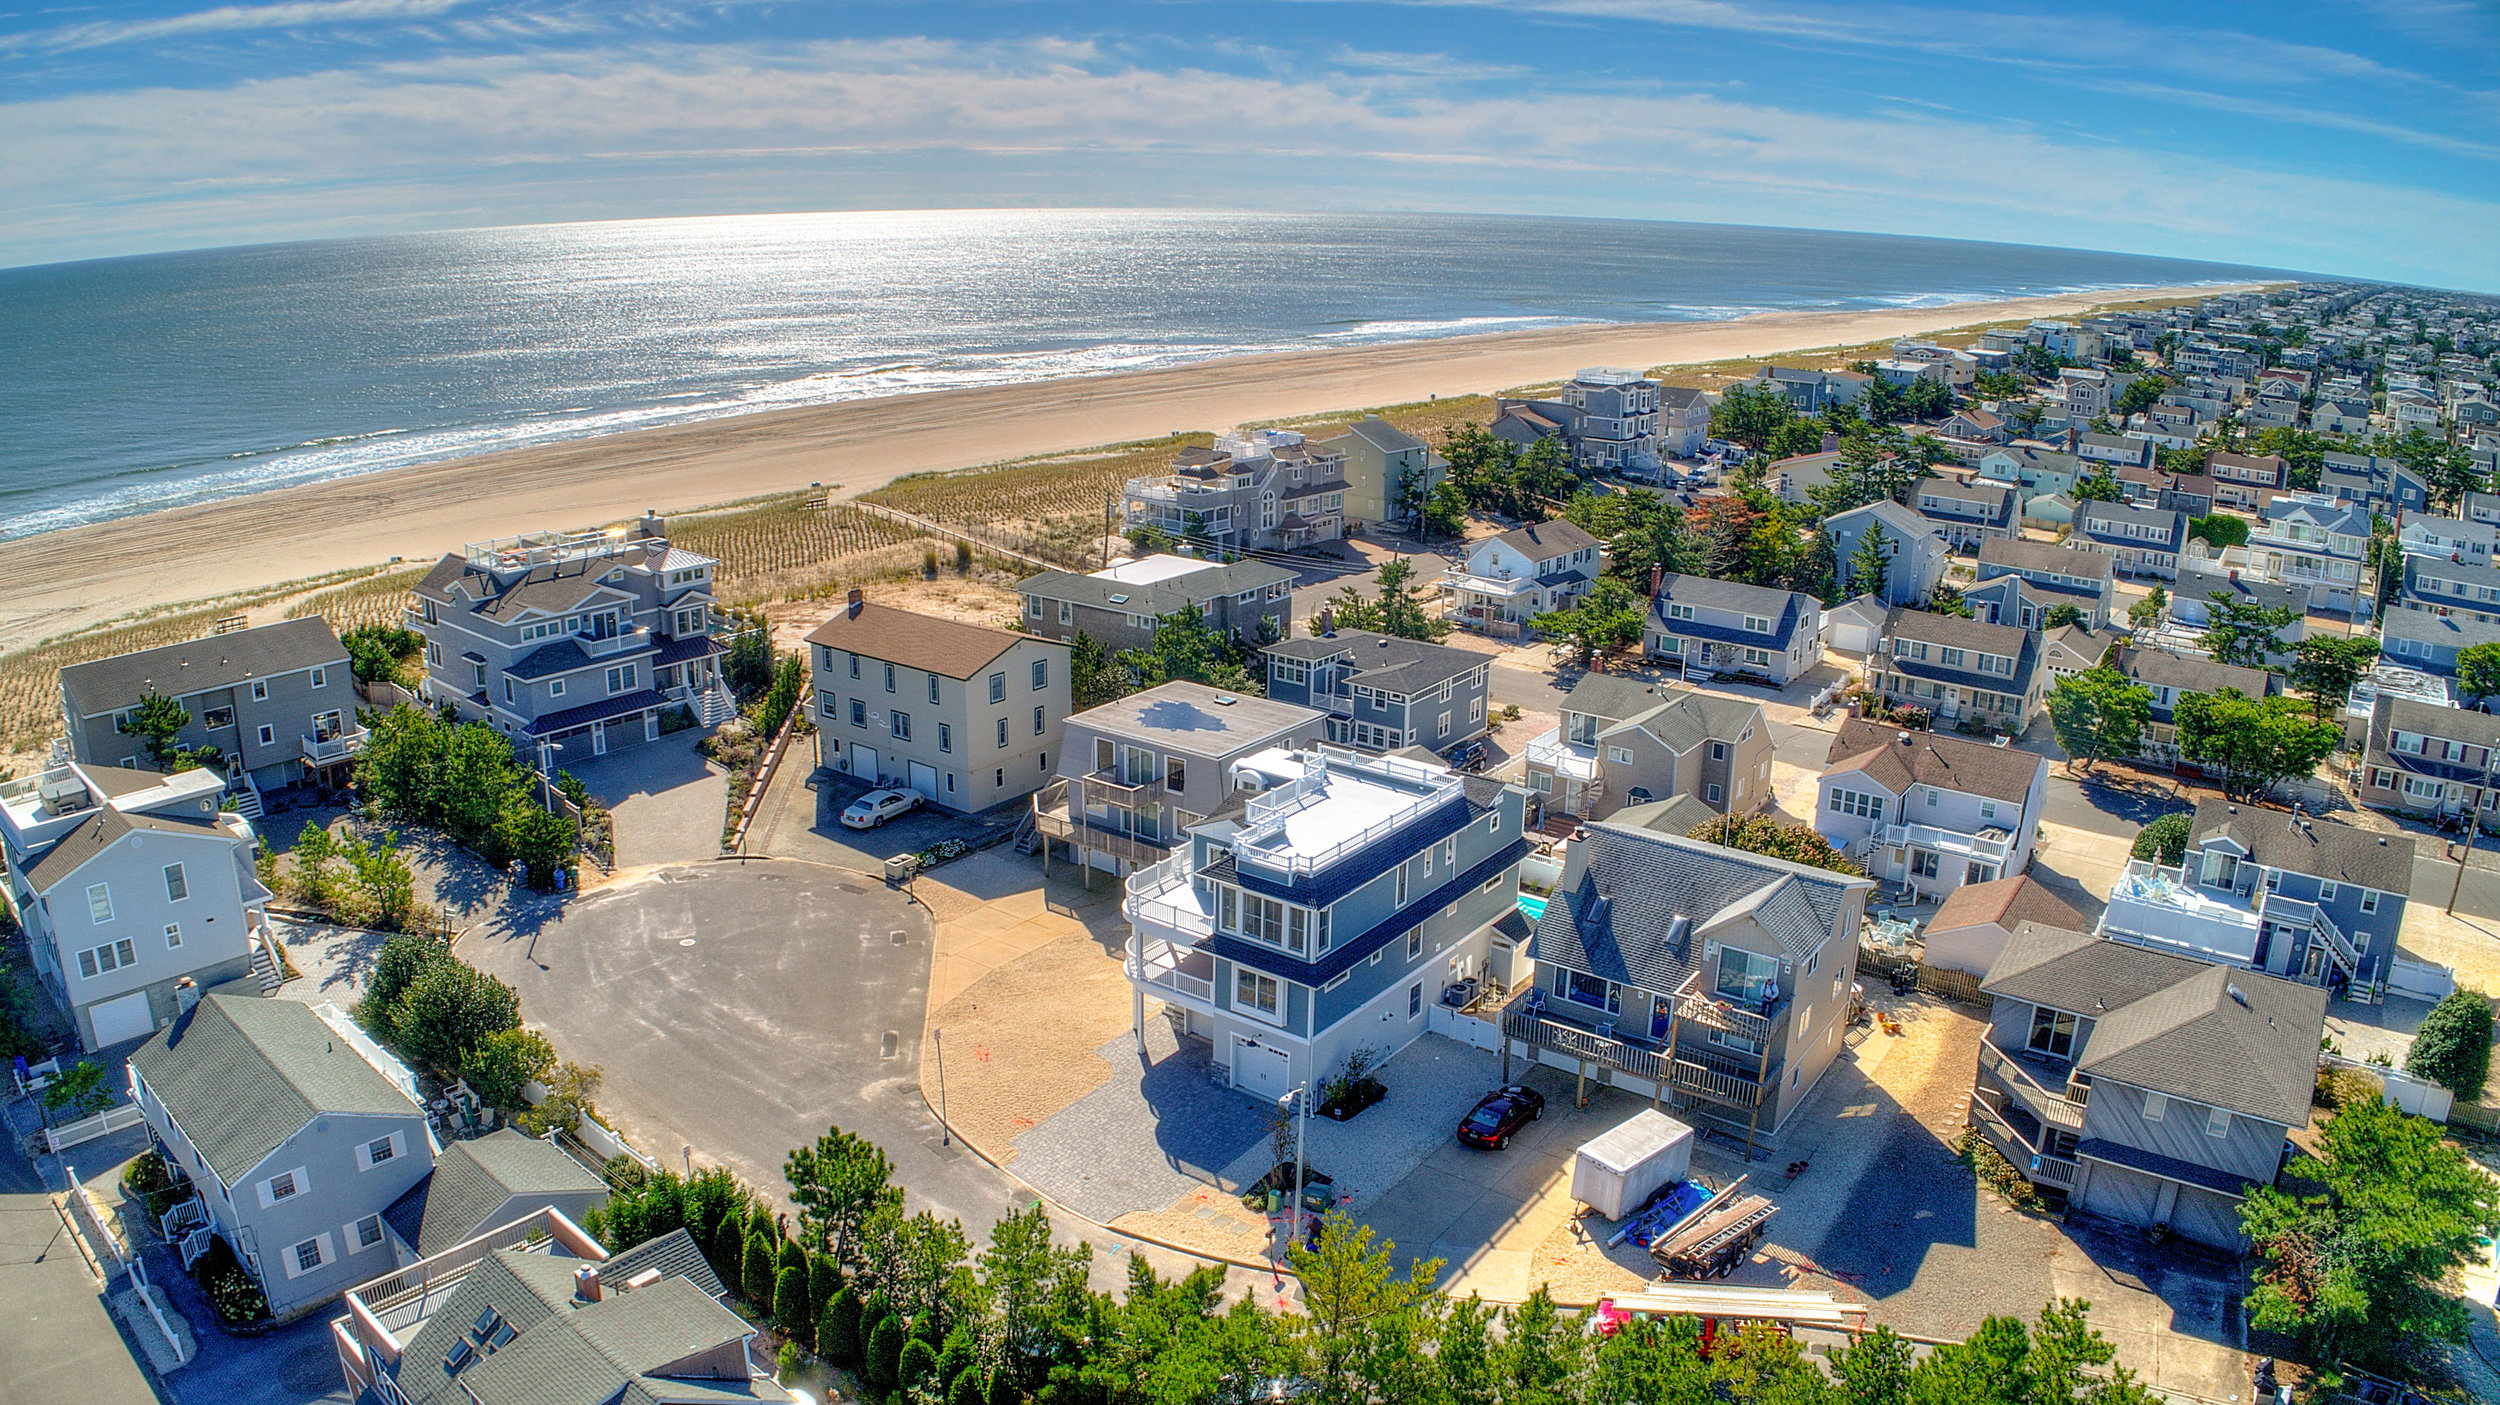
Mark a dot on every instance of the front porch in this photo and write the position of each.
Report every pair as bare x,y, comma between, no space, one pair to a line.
1683,1051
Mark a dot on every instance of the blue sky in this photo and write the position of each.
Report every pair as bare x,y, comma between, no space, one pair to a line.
2360,137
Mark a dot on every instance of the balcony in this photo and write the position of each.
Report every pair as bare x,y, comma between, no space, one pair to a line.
1183,972
2158,908
2308,916
2042,1168
1751,1018
1500,587
1053,820
2050,1109
1578,760
1989,845
1112,785
1161,895
1586,1034
628,641
343,745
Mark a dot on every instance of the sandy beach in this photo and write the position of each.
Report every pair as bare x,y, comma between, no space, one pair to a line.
83,576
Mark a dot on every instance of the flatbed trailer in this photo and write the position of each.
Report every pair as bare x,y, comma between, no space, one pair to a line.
1714,1239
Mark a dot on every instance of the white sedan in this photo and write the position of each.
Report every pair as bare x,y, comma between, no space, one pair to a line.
878,806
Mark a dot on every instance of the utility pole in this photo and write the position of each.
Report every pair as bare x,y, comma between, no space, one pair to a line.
2473,826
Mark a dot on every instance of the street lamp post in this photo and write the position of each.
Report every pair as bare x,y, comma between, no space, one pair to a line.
1300,1098
547,772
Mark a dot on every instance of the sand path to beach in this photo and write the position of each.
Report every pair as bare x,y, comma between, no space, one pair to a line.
76,578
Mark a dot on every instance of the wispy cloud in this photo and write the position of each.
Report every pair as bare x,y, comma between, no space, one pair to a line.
225,19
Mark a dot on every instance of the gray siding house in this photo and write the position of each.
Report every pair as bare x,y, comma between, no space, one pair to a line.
1120,605
1929,812
295,1132
132,885
278,700
1914,551
1385,468
2431,642
1135,774
2143,541
1382,692
2052,576
1712,627
1624,742
2143,1087
2430,761
1966,514
574,642
1709,979
1957,668
1327,910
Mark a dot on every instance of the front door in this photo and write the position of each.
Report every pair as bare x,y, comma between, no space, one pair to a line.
598,738
651,726
1661,1016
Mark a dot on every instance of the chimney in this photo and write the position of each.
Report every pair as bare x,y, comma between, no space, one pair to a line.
653,524
586,1284
186,995
851,608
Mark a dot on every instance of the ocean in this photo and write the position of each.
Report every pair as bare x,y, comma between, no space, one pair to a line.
137,383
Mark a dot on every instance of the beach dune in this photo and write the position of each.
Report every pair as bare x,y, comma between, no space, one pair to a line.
86,575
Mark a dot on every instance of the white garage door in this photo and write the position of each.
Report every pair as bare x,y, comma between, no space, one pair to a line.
863,762
1259,1070
123,1017
924,779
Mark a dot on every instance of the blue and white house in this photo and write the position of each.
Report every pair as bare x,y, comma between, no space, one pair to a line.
2298,897
1711,627
1914,551
2313,540
2431,642
1327,910
1382,692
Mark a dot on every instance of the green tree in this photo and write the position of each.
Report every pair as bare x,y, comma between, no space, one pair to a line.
1025,1277
541,840
378,652
382,876
2140,395
158,721
1094,677
2220,530
2448,471
2357,1270
782,699
2147,612
882,1365
1349,1288
79,1091
2302,451
790,1313
448,1010
1761,834
1445,510
570,1089
1643,531
1003,1389
2478,670
2326,667
756,1267
1749,416
837,1331
2164,841
1870,565
1541,1356
1399,605
837,1184
2097,486
824,1279
2098,714
503,1063
2243,633
915,1261
915,1366
1187,648
2060,616
1794,439
960,1356
2255,742
748,665
314,884
1874,1369
1608,617
2453,1046
965,1389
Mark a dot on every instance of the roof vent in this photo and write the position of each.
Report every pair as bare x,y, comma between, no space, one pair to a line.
2232,809
2236,994
1225,700
1905,739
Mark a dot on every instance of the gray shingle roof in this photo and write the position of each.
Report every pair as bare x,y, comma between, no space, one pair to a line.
1543,541
474,1179
1157,598
218,661
99,832
2190,674
1947,763
2444,631
1679,815
240,1075
1626,887
2189,1029
1385,661
2319,848
674,1254
2107,520
2017,554
2273,595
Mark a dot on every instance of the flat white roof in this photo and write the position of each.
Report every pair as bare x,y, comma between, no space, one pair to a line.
1338,801
1146,570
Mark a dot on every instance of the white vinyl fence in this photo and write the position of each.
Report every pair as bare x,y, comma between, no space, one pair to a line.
2420,979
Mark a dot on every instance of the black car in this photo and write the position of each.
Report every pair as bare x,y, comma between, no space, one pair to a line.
1500,1114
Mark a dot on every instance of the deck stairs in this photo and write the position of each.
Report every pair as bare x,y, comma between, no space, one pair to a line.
265,968
715,705
1028,834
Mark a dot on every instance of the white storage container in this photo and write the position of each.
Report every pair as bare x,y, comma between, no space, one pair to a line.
1617,1171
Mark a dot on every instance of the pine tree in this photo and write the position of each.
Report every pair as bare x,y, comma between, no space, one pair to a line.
837,1331
790,1257
2453,1046
1003,1388
1871,563
824,1279
915,1365
966,1389
959,1357
790,1306
883,1364
756,1269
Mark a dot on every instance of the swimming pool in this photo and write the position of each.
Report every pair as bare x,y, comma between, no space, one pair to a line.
1532,905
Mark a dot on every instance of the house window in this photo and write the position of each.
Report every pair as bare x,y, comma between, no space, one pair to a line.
1067,613
112,956
508,694
1401,885
900,722
1041,674
2052,1032
828,705
1002,731
998,687
1851,802
1759,658
307,1255
933,687
1415,1001
378,1151
1987,809
1679,612
321,678
859,713
854,665
946,737
99,902
1583,989
269,734
2217,1122
2156,1105
260,686
368,1231
282,1185
2369,900
1037,721
173,935
1718,751
1175,773
177,886
1714,792
1256,992
621,679
1756,624
214,718
1415,944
